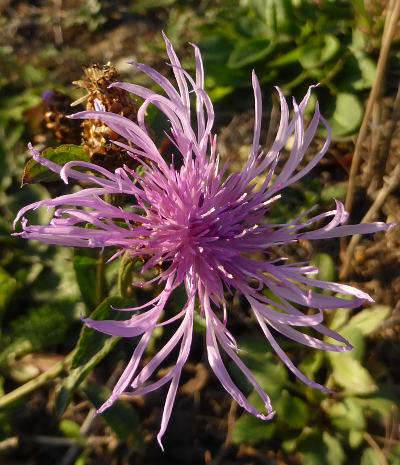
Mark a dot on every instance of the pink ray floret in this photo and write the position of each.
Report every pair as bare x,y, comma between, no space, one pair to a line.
206,228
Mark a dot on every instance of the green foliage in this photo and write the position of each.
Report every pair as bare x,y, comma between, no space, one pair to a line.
371,457
92,341
77,375
317,448
121,416
368,320
249,430
8,286
142,6
91,348
69,428
250,51
291,44
320,429
326,267
35,172
347,114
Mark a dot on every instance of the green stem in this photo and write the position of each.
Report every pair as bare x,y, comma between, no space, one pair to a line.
100,295
37,382
125,275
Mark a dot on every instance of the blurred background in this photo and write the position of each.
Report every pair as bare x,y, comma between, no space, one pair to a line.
49,392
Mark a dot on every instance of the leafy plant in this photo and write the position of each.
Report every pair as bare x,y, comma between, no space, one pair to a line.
292,44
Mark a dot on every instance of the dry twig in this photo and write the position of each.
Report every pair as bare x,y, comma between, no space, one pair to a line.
389,31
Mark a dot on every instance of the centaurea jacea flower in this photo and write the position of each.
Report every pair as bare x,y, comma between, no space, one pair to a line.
205,228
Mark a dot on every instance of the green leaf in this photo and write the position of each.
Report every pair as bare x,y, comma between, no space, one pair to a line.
357,74
356,437
249,51
78,375
35,172
337,191
319,50
371,457
251,430
350,374
92,347
368,320
28,195
91,341
318,449
348,414
347,114
289,58
8,286
220,92
141,6
292,410
335,454
70,429
339,316
269,372
277,14
312,363
326,267
381,406
86,276
356,339
360,69
121,416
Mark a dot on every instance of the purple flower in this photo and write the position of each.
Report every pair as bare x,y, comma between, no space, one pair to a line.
206,228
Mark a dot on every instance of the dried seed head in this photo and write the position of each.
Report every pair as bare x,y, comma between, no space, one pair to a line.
56,107
96,136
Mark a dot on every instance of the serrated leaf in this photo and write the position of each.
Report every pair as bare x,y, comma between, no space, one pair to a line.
121,416
368,320
249,51
35,172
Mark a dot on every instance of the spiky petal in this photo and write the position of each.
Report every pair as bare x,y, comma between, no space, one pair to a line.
206,229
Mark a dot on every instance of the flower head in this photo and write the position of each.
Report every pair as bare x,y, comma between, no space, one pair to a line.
206,228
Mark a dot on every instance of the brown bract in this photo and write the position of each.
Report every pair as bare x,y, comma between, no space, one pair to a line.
96,136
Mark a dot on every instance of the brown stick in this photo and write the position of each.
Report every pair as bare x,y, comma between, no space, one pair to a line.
389,31
387,188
